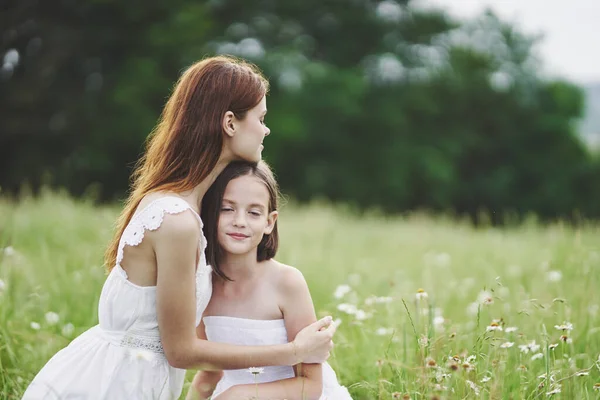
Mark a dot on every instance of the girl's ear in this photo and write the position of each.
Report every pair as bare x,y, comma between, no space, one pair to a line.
229,124
271,219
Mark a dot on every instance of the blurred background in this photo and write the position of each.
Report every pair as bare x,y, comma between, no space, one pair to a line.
460,106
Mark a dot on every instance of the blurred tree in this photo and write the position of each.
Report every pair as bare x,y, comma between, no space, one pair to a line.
376,103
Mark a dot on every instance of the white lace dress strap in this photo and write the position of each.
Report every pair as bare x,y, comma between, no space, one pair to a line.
150,218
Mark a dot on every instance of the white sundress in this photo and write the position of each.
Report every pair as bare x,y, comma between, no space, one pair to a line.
122,357
254,332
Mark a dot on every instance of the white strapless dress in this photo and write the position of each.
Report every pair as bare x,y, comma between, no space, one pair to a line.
122,357
253,332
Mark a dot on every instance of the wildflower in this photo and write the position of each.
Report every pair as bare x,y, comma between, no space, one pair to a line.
2,286
471,358
582,373
35,326
553,346
564,338
507,345
423,340
452,335
597,386
440,376
52,318
9,251
536,356
379,363
341,291
453,366
566,326
384,331
485,379
554,276
554,391
494,326
530,347
347,308
438,321
468,366
485,298
396,395
430,363
510,329
421,294
256,371
361,315
521,368
68,330
473,386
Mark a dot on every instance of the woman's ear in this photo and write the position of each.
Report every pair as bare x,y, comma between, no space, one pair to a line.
229,123
271,219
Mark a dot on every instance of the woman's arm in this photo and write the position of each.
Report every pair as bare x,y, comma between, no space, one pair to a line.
298,311
175,245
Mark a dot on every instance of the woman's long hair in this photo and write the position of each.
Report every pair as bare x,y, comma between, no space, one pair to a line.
186,144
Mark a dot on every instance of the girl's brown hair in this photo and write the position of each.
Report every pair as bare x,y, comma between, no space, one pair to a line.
211,209
186,144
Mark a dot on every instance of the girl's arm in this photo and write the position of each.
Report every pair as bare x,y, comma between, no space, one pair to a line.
298,311
175,245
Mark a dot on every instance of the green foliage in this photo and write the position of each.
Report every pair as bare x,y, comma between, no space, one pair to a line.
525,276
397,110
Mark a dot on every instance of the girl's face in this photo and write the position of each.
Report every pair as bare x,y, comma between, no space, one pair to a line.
244,217
247,135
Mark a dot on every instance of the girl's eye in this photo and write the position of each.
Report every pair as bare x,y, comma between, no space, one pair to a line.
225,209
255,213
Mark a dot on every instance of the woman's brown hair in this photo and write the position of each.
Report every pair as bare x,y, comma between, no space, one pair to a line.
211,209
186,144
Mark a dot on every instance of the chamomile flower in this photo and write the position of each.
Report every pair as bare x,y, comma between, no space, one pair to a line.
510,329
35,326
341,291
537,356
52,318
530,347
421,294
256,370
554,276
566,326
507,345
494,326
554,391
68,329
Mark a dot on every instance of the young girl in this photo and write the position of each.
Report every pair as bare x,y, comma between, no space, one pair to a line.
158,283
256,300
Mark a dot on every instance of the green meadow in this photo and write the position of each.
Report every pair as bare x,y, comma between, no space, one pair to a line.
429,307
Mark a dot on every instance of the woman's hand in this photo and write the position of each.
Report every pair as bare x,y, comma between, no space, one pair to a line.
313,343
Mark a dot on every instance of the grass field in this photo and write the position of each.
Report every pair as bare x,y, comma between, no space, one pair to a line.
429,307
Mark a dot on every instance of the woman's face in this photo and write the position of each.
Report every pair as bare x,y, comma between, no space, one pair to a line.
246,143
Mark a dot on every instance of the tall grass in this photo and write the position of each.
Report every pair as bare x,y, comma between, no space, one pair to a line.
447,340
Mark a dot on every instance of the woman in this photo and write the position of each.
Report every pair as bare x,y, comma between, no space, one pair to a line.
158,283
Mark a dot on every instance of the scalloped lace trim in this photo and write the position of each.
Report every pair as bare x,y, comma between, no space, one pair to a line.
150,218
